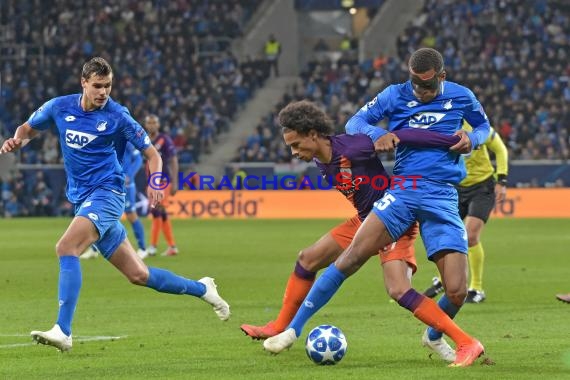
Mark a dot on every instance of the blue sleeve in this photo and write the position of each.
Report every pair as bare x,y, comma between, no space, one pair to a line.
43,117
477,118
132,161
134,132
365,119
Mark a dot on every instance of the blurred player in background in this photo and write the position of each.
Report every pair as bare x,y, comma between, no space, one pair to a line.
160,221
478,194
425,101
132,163
93,131
344,159
563,297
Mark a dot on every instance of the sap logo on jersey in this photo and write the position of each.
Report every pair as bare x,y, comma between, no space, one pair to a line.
77,140
425,120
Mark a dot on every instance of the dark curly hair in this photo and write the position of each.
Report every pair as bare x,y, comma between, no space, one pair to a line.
304,116
425,59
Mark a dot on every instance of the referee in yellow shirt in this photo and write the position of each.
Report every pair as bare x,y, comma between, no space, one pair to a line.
478,193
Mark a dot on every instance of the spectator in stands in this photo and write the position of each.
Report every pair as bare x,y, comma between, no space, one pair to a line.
272,50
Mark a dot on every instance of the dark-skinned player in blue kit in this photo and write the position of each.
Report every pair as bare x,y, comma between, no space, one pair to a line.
425,101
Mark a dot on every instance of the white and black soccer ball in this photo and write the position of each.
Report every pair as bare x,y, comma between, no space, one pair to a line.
326,345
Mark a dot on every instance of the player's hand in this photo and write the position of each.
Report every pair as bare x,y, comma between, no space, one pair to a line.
11,145
173,189
500,193
464,145
127,180
386,143
155,196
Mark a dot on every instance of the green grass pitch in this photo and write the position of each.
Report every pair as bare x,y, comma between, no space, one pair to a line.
524,329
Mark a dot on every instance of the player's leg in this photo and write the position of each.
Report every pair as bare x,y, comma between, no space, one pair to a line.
166,225
399,263
132,217
563,297
168,235
81,233
310,260
118,250
445,239
476,258
155,228
138,230
370,238
482,201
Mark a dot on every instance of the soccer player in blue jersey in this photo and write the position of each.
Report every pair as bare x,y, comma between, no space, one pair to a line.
132,163
93,131
426,101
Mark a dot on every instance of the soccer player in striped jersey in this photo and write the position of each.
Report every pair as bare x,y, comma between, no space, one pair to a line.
425,101
93,131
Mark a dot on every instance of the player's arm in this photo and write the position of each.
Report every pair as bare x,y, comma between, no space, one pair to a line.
476,117
426,139
173,170
23,135
364,121
155,194
496,145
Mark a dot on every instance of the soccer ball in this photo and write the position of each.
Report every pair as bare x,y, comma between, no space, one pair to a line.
326,345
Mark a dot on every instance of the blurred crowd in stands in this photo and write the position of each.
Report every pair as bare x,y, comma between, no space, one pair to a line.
514,55
170,58
173,59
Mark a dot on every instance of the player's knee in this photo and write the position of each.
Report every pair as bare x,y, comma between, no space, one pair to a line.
456,296
64,247
472,239
307,261
138,277
396,292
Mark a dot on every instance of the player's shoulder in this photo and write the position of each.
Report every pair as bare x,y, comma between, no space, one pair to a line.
114,107
453,89
65,101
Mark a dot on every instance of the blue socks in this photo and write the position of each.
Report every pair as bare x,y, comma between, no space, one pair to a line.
321,292
138,229
68,291
450,309
165,281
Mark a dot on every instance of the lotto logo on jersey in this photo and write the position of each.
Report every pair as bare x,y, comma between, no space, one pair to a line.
78,140
425,120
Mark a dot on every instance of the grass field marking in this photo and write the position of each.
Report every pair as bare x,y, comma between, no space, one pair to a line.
79,338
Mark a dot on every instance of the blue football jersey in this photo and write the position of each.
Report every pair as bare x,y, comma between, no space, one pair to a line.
444,114
92,143
132,161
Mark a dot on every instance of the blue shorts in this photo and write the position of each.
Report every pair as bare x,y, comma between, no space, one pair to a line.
104,209
434,205
131,198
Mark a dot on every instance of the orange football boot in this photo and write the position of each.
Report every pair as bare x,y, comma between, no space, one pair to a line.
466,354
260,332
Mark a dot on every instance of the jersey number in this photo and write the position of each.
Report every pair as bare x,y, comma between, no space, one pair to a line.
385,201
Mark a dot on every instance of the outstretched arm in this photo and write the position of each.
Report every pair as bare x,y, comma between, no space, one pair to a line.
24,133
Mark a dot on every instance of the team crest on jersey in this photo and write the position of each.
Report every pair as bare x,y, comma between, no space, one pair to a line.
424,120
78,140
447,105
101,126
